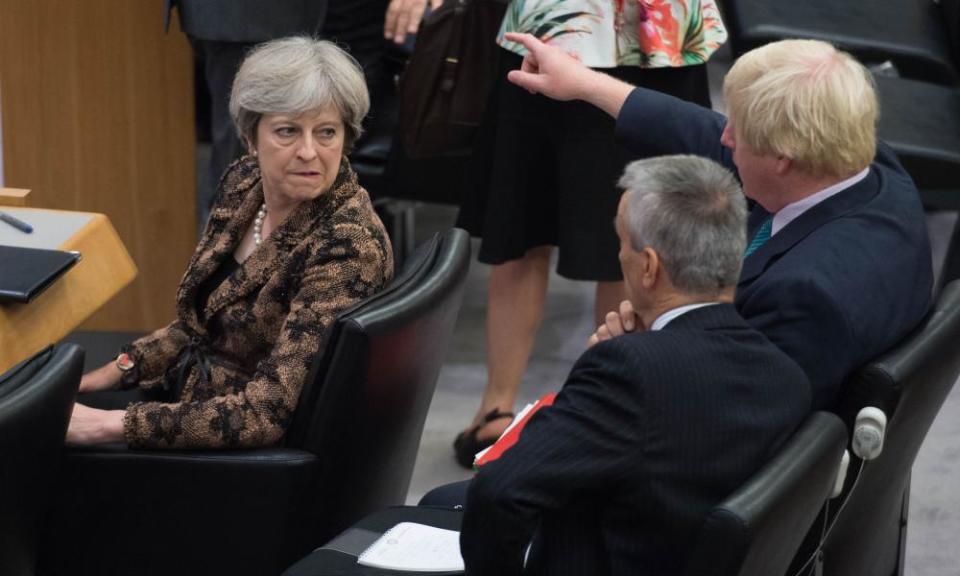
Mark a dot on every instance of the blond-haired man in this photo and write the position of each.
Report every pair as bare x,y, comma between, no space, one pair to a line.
838,266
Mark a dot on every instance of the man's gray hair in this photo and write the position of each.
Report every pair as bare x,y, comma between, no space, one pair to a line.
692,212
297,75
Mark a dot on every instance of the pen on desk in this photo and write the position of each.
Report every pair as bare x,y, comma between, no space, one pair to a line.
16,223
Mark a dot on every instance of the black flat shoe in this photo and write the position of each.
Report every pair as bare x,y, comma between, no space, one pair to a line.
466,445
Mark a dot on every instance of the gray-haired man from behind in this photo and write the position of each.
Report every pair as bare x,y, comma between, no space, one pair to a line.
654,427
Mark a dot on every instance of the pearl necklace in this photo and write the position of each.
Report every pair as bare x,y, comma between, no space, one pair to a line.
258,224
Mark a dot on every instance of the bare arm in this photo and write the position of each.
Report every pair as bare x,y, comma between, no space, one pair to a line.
93,426
106,377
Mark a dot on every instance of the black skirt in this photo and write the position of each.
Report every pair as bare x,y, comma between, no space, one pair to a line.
545,172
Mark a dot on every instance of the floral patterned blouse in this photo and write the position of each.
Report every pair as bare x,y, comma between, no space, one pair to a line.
611,33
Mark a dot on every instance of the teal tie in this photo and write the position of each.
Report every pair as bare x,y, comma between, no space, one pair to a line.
762,235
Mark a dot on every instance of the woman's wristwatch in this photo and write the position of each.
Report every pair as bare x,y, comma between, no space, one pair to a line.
125,363
129,374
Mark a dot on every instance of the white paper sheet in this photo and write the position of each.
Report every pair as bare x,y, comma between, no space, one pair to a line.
416,548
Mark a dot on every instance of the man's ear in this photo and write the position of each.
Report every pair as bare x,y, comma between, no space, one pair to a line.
651,267
784,164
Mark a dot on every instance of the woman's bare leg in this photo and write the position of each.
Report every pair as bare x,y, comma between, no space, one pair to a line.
517,291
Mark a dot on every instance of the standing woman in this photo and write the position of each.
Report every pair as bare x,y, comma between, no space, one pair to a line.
291,242
545,172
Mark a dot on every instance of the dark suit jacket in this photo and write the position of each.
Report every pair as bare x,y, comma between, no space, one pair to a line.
267,320
649,432
246,20
837,286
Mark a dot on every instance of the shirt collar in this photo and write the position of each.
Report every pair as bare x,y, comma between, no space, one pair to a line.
670,315
791,212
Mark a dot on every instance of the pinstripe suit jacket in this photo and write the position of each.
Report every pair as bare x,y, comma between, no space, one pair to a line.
649,432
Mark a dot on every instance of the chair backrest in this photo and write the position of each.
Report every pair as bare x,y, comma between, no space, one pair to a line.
374,391
757,530
412,272
35,405
910,383
909,33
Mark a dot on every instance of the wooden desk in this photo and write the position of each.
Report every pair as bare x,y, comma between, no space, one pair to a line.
105,269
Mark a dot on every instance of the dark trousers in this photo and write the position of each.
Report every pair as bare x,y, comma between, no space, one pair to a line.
220,63
447,496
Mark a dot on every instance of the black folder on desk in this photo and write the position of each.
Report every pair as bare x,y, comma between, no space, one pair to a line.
26,272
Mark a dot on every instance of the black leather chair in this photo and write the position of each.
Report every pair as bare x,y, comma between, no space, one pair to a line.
910,384
350,450
757,530
36,398
916,36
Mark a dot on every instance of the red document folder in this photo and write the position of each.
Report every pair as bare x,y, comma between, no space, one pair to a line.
512,433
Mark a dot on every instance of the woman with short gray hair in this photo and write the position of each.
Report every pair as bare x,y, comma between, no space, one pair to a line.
292,241
295,75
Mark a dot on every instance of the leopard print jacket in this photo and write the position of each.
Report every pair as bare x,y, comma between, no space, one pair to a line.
262,327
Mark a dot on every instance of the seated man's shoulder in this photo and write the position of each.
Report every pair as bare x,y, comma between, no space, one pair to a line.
688,347
685,370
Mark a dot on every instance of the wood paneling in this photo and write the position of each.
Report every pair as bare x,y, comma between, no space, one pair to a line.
97,105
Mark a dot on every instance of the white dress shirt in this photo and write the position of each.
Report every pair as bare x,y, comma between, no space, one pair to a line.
670,315
791,212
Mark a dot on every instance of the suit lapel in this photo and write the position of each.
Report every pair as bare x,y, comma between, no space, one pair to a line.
226,244
223,232
798,229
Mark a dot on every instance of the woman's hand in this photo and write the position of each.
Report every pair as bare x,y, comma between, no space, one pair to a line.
105,377
403,17
93,426
616,324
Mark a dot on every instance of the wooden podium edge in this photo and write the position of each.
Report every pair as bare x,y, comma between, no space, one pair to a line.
105,269
14,197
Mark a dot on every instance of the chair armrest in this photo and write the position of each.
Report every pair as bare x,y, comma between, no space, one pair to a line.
188,502
165,483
